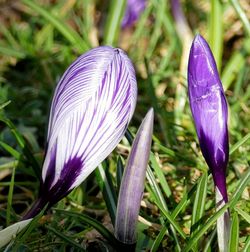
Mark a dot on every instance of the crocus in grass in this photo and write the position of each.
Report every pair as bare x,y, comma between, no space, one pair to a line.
132,184
133,11
91,109
209,108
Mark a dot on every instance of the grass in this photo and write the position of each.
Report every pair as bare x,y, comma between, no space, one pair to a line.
39,40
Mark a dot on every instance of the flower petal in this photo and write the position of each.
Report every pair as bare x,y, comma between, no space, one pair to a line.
92,106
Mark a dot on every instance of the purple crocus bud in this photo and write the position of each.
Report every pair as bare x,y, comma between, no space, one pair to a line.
132,184
91,109
209,108
133,11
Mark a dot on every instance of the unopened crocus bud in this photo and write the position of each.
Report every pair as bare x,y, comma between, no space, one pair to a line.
91,109
133,11
209,108
132,185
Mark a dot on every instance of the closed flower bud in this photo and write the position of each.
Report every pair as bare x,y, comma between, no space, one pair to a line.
209,108
132,185
91,109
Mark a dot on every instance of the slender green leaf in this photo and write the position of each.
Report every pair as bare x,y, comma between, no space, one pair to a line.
216,31
12,52
160,175
239,143
199,203
247,245
158,239
65,238
62,27
242,15
2,106
204,228
184,201
234,65
105,182
245,215
24,146
10,196
93,223
9,149
245,180
119,172
113,23
171,220
234,234
243,183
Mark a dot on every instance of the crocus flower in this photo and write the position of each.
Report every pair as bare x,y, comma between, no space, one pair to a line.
133,11
209,108
91,109
132,184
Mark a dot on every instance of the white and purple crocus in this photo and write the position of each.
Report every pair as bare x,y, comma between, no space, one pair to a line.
91,109
209,108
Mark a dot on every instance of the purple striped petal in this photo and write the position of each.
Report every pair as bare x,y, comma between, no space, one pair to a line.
209,108
132,185
133,11
91,109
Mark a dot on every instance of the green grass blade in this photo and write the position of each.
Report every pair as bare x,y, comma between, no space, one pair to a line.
158,239
93,223
245,180
113,24
158,196
239,143
157,32
242,15
171,220
247,245
3,105
10,197
105,182
24,146
65,238
242,185
9,149
234,234
216,31
160,175
234,65
199,203
119,172
245,215
71,35
12,52
204,228
207,247
184,201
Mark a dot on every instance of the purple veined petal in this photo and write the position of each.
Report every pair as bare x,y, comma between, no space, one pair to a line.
133,11
91,109
209,108
132,184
